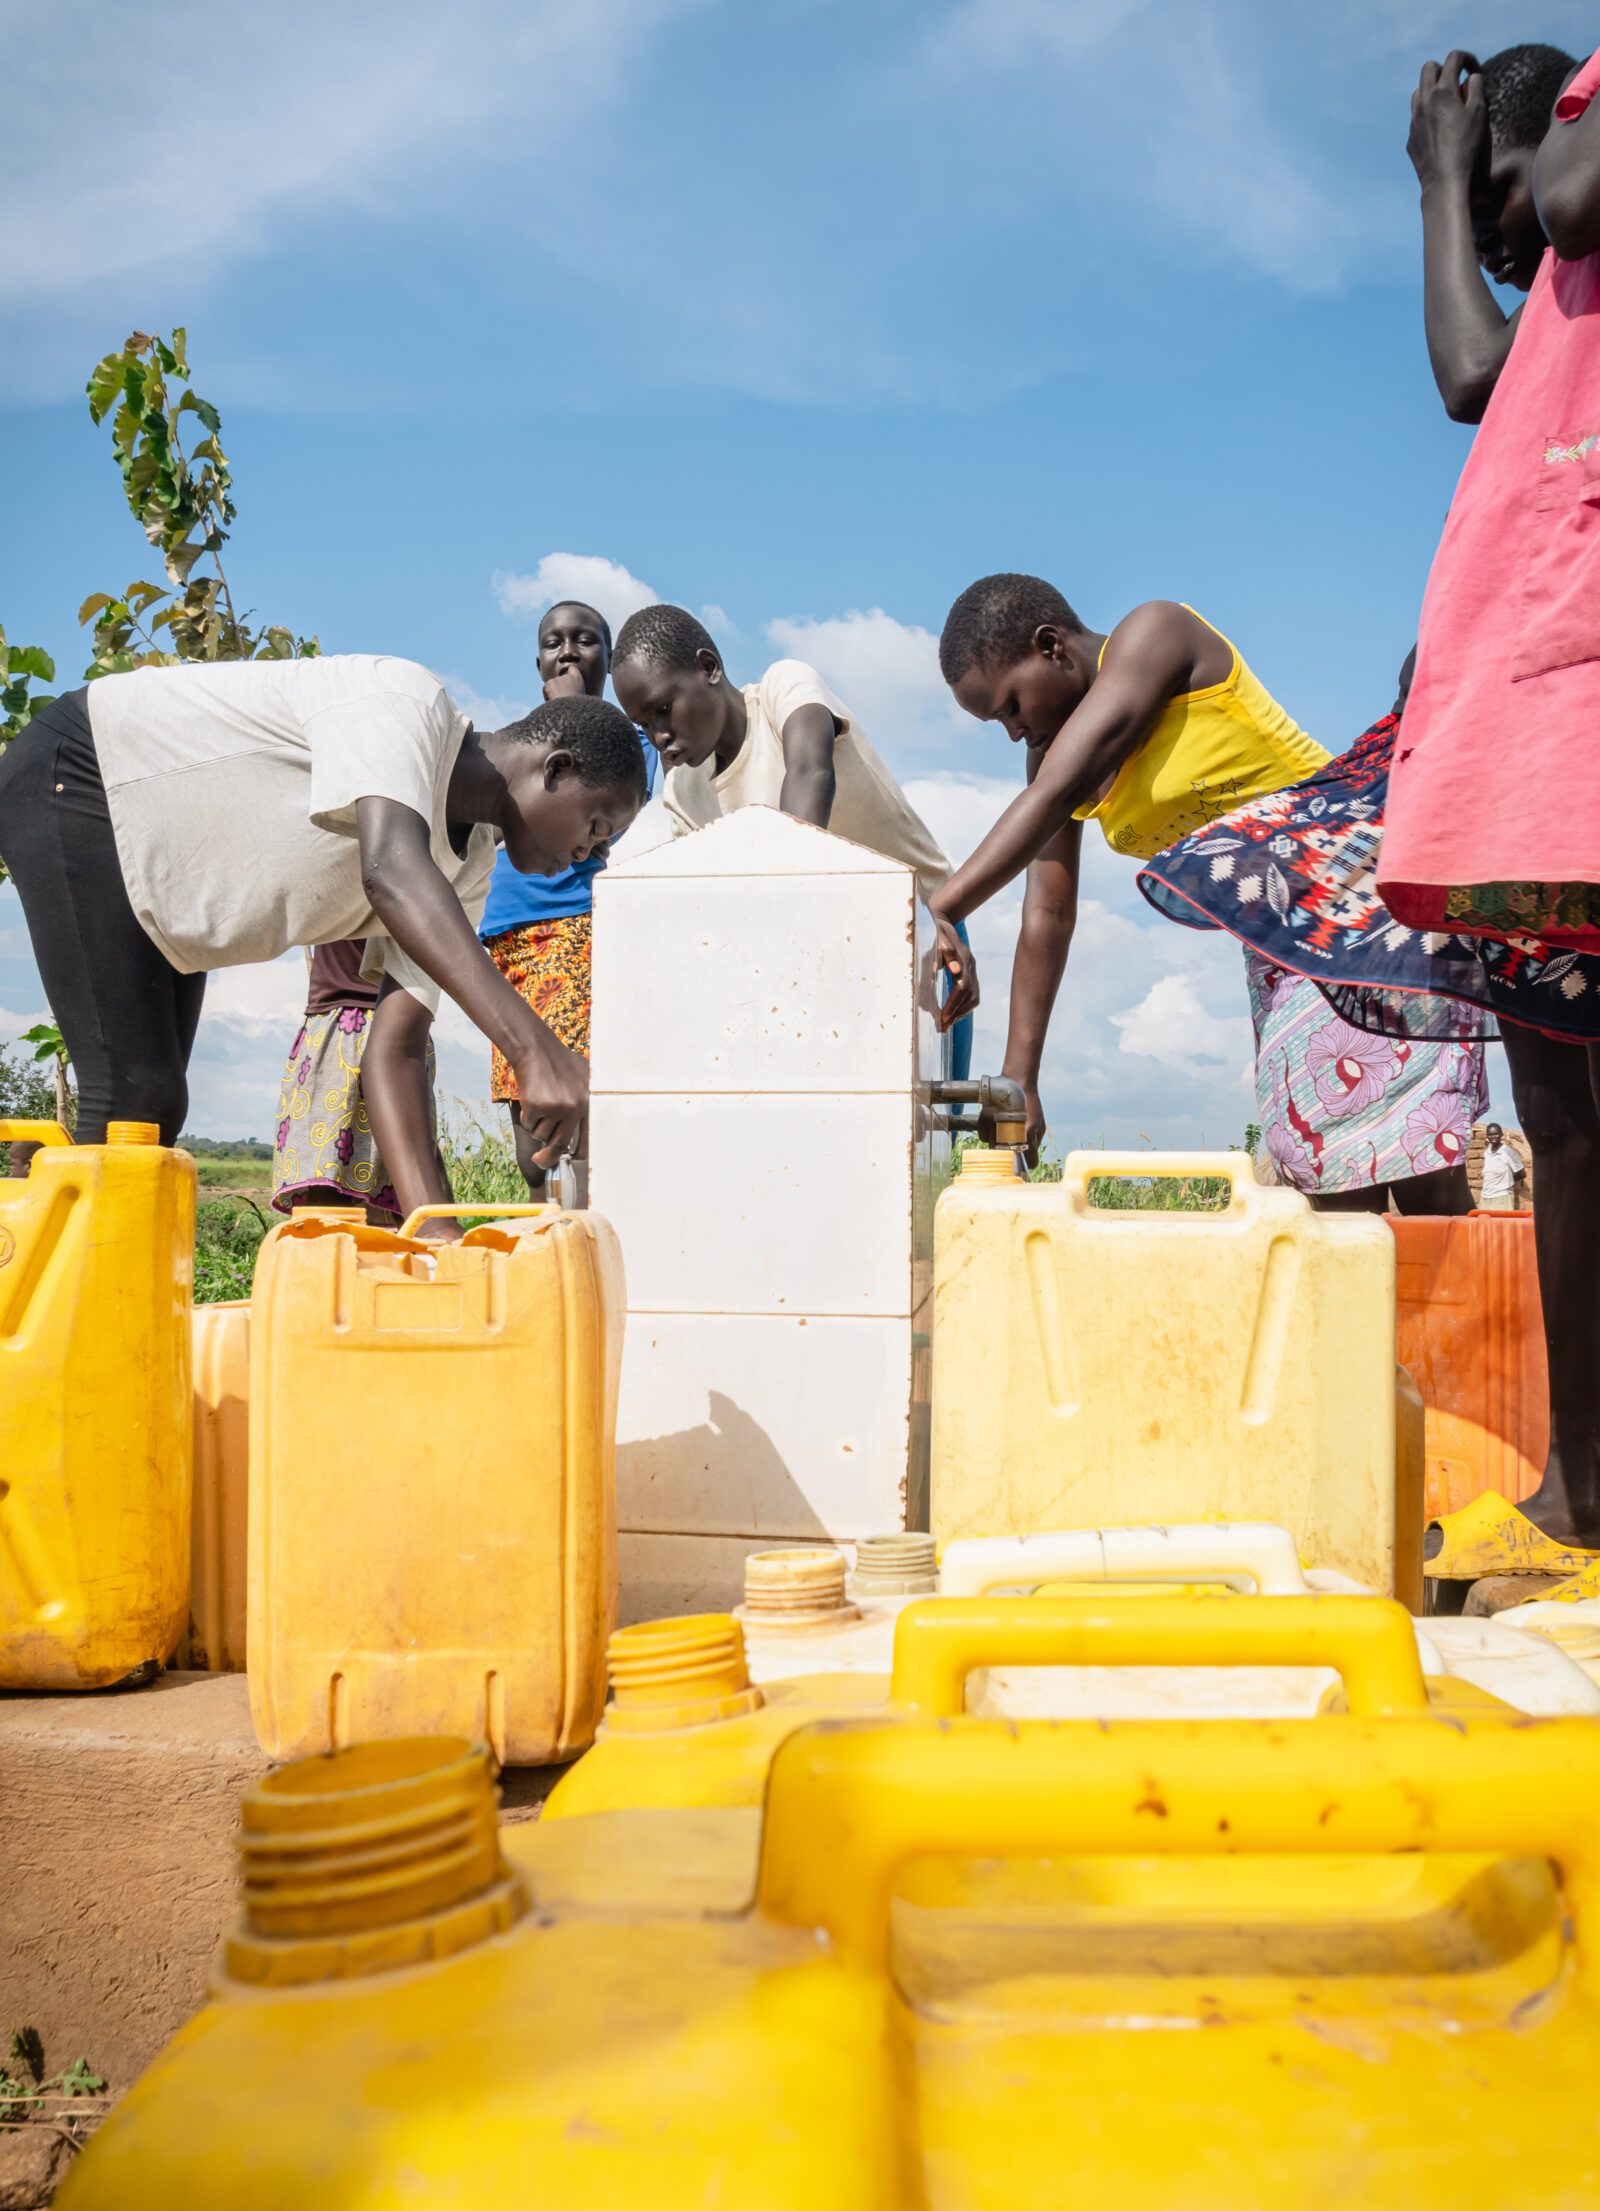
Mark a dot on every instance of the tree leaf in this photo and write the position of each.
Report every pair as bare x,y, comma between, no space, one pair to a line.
32,660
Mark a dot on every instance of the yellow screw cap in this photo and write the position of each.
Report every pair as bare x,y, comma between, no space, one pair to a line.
373,1857
678,1673
133,1132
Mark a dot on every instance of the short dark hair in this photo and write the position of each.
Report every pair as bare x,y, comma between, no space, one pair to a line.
992,623
1520,87
581,606
601,739
664,637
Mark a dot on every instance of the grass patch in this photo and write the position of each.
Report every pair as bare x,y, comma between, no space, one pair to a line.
227,1236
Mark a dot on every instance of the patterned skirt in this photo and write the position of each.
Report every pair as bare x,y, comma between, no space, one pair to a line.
1295,877
324,1140
1342,1109
548,963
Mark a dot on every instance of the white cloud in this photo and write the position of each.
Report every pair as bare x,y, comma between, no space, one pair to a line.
1179,113
603,584
1169,1024
887,672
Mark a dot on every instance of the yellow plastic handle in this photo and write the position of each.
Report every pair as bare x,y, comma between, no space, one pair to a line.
1079,1168
33,1132
1368,1641
849,1805
478,1210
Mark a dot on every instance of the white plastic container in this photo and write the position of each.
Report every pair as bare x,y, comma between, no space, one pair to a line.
755,1137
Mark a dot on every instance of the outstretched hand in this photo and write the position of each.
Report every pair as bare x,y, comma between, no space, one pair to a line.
955,957
1449,121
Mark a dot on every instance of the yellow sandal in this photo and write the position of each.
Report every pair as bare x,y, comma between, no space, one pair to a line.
1490,1536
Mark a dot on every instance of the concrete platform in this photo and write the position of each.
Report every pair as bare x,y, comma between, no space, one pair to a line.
117,1816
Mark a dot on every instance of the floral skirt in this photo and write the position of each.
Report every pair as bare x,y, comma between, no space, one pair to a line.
548,962
324,1139
1295,877
1340,1108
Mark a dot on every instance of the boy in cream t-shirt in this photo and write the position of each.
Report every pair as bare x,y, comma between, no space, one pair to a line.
786,741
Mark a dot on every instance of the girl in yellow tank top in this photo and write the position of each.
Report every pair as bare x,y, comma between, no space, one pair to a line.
1152,731
1209,750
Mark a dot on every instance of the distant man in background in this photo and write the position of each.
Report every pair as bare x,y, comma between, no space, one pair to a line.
1502,1171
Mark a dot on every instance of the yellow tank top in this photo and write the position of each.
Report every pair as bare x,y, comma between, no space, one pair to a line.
1210,751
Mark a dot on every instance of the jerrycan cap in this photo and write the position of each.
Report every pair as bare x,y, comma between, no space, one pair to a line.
678,1673
898,1565
986,1163
381,1855
133,1132
328,1213
798,1589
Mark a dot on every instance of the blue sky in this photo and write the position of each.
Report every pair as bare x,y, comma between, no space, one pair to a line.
807,314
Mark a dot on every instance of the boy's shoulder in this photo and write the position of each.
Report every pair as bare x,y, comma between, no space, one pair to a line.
789,683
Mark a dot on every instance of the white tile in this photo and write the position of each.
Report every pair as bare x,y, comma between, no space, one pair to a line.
758,1204
765,1427
754,983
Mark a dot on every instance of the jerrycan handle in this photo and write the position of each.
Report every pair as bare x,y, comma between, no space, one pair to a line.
33,1132
1237,1169
849,1805
1256,1554
1368,1641
476,1207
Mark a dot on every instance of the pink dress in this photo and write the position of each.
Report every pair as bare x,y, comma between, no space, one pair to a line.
1493,824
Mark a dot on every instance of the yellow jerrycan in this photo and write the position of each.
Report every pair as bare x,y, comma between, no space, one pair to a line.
432,1515
1095,1365
221,1488
951,1963
96,1282
687,1727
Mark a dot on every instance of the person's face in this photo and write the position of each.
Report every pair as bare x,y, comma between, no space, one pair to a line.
572,652
555,820
1032,697
1496,1136
683,711
1505,222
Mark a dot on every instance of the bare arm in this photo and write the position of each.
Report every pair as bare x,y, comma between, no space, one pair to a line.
429,923
1049,916
397,1093
1149,658
1566,184
1469,336
808,777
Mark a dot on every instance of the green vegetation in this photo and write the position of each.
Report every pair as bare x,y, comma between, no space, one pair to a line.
481,1163
184,504
227,1236
27,2091
27,1093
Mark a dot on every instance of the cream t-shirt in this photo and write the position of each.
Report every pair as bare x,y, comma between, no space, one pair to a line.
869,807
232,790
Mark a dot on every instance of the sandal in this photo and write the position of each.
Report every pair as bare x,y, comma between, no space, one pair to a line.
1490,1536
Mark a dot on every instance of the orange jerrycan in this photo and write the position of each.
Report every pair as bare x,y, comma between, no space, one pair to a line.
1094,1365
96,1278
1470,1329
432,1519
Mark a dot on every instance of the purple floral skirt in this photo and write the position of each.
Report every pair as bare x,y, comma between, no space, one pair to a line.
324,1140
1340,1108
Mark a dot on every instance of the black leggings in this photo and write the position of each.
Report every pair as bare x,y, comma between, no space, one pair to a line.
127,1017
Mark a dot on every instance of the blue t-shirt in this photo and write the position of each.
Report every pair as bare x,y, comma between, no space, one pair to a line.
516,900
